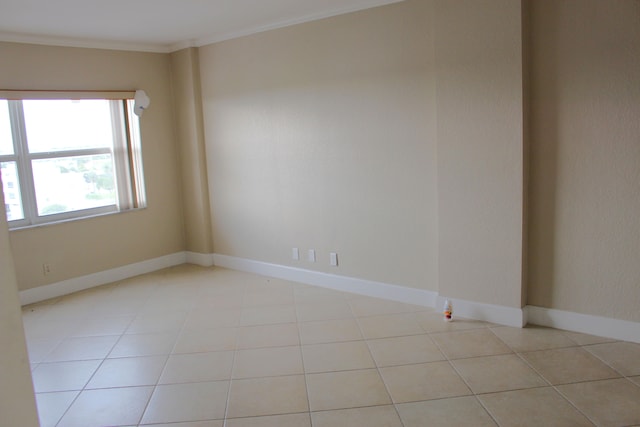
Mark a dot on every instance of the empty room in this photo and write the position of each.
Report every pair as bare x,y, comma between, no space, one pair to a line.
320,213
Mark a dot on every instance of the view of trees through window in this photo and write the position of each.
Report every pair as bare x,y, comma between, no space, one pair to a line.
88,182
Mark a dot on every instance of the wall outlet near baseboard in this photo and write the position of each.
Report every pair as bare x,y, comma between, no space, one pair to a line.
333,259
295,254
311,255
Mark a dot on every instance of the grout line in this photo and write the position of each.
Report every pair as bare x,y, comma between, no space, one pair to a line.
235,353
377,367
304,369
164,367
166,282
573,405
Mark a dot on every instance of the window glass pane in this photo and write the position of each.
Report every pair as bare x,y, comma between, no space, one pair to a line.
6,140
11,188
73,183
55,125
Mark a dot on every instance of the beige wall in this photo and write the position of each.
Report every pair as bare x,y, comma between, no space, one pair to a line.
585,164
185,73
322,135
480,150
83,247
395,136
17,403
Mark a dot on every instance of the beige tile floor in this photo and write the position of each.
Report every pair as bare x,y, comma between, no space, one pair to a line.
197,347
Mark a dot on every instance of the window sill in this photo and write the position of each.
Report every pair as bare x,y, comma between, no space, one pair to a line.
67,220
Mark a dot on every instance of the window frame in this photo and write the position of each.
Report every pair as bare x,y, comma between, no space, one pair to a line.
125,152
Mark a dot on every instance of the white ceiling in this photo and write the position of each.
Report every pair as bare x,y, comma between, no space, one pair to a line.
157,25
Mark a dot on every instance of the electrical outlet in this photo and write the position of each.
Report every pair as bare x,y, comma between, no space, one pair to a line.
46,269
311,255
295,254
333,259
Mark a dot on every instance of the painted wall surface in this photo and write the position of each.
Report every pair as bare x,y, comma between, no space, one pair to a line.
480,150
83,247
185,73
585,157
17,402
322,135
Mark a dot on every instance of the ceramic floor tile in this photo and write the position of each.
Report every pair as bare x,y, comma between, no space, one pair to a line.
252,316
404,350
497,373
220,301
190,328
215,286
432,321
532,338
316,295
198,367
326,331
366,306
289,420
63,376
39,349
206,340
35,311
622,356
374,416
144,345
425,381
187,402
49,329
82,348
390,325
128,372
256,282
117,406
347,389
607,402
569,365
455,411
282,335
120,308
267,362
586,339
212,318
267,396
211,423
533,407
115,325
156,322
339,309
469,343
65,312
165,303
258,298
341,356
52,406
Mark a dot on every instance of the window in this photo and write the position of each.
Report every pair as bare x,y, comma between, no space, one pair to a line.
63,158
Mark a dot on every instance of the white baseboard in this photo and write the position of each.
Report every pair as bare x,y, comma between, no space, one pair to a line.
81,283
491,313
585,323
197,258
331,281
499,314
509,316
